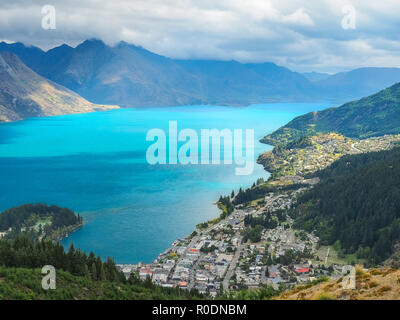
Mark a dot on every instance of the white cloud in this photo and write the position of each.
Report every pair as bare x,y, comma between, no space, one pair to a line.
301,35
299,17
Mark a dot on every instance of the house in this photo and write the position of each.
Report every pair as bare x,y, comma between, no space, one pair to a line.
127,271
259,258
233,221
275,282
260,247
160,277
145,272
201,278
222,258
168,265
181,250
176,276
301,268
273,271
185,263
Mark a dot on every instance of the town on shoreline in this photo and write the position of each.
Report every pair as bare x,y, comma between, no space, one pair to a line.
226,255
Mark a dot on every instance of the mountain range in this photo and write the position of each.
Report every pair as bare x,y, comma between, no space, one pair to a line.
24,93
131,76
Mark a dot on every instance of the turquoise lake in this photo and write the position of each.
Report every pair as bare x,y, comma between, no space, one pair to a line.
95,164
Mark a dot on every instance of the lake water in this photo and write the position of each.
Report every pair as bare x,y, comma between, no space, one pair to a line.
95,164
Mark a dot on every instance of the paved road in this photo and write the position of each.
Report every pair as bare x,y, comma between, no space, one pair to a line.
191,244
235,259
232,265
327,255
192,275
264,278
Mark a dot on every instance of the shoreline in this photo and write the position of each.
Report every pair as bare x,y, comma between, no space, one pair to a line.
214,213
69,230
104,107
213,258
194,233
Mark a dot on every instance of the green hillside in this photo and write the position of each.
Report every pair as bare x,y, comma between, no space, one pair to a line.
375,115
356,205
78,276
38,221
25,284
27,244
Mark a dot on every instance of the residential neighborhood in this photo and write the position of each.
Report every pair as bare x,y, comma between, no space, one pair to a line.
256,245
220,258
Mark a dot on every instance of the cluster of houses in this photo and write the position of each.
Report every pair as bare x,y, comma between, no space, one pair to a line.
185,265
326,148
216,256
278,274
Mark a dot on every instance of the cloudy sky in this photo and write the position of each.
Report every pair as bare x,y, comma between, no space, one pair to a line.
308,35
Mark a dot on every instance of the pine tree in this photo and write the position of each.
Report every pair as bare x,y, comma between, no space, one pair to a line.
93,271
102,275
86,271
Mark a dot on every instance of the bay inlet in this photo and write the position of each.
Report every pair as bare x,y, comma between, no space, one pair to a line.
95,164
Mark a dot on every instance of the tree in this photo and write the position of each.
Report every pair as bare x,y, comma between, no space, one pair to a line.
93,271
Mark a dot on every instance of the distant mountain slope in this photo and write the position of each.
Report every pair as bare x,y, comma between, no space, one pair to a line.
224,81
23,93
315,76
359,82
129,75
132,76
375,115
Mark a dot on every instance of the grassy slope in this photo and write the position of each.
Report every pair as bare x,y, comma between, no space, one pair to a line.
375,115
372,284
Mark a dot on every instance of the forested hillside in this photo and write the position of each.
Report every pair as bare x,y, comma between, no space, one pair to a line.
357,203
372,116
78,276
25,284
38,221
